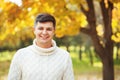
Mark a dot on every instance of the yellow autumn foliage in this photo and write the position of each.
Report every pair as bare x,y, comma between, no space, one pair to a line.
18,21
116,23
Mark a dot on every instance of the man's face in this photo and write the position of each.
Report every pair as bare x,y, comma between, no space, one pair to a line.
44,32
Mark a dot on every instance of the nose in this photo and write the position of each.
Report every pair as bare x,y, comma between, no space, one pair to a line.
44,31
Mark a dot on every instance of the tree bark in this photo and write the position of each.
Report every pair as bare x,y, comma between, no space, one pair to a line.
105,50
80,53
108,68
90,56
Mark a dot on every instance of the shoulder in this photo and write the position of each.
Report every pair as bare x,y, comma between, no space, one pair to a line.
21,52
65,56
25,49
63,52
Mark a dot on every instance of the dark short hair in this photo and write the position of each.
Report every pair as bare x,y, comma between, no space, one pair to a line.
45,17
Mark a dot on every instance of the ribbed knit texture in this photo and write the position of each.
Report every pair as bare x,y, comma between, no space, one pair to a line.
35,63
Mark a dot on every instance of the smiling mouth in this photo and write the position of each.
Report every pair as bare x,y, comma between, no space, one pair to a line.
44,37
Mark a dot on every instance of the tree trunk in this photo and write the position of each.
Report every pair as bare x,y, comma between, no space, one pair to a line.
80,53
108,70
108,65
91,57
67,47
105,50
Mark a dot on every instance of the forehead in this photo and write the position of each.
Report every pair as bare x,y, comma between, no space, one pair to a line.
47,24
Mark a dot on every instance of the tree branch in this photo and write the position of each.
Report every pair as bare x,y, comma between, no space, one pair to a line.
85,30
107,19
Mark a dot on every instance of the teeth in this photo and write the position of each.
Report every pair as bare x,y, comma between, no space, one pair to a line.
44,37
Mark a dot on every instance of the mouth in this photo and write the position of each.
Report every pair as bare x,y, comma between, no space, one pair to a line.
44,37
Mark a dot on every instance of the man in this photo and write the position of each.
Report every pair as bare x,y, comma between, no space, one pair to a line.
43,60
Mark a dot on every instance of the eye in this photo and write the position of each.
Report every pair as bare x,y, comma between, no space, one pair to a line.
40,28
49,29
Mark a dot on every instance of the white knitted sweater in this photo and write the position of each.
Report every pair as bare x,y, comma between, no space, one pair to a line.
35,63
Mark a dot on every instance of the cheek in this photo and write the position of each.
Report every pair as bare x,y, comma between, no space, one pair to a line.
52,34
36,32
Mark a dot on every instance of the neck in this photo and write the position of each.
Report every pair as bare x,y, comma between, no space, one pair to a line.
44,45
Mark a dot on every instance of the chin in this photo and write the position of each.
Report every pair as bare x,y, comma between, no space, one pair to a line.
46,40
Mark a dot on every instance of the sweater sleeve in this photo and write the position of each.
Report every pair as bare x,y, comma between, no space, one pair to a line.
15,71
68,74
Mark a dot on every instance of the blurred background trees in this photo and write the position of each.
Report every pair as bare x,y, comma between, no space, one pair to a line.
99,19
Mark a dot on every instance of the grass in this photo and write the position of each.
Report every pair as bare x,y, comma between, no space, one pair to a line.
6,56
5,59
4,67
83,66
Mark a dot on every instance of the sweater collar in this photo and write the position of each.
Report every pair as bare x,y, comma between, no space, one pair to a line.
44,51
